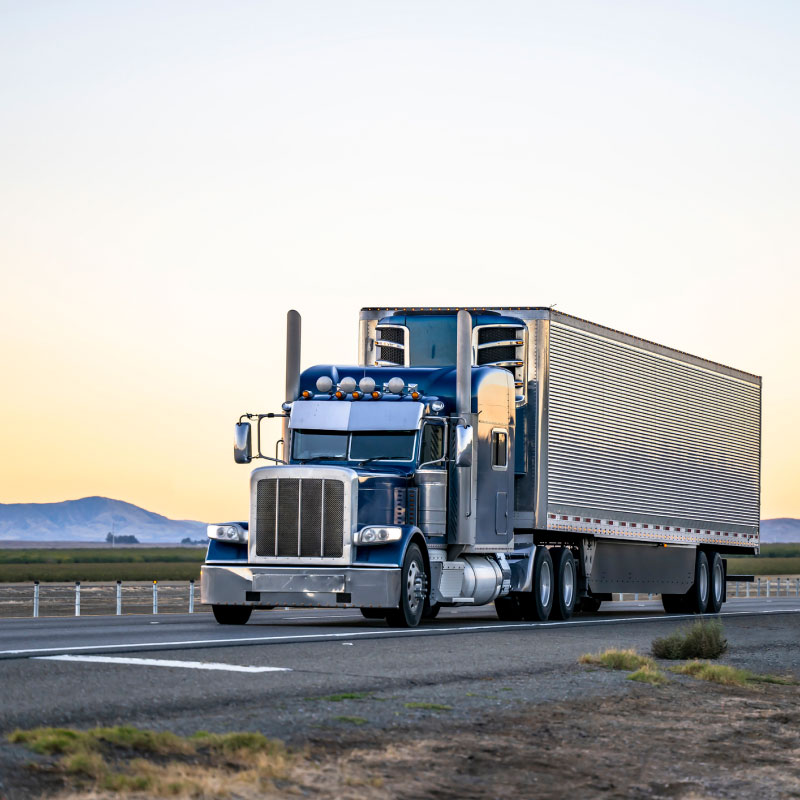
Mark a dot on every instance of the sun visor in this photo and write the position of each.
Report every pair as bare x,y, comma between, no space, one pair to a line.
344,415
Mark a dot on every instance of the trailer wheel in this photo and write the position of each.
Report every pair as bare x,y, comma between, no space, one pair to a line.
413,586
537,603
232,615
717,584
508,609
374,613
565,582
697,596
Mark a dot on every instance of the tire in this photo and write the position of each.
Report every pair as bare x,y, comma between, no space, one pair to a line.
232,615
565,584
716,589
697,596
674,603
589,604
537,603
431,611
508,609
374,613
413,588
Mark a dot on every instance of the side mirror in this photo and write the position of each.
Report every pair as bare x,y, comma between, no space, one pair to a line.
463,454
242,443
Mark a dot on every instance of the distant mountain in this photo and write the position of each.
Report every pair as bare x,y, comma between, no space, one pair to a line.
783,529
91,519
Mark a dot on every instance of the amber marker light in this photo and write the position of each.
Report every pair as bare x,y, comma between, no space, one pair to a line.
306,394
376,395
339,395
415,395
356,396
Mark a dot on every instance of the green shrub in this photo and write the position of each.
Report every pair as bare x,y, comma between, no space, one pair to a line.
647,673
701,640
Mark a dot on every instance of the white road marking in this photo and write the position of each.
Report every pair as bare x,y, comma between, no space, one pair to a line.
163,662
382,634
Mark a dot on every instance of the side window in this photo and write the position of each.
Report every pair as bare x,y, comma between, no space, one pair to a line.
432,447
499,449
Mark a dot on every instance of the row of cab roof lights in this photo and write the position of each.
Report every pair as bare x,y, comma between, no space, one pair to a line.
589,520
367,389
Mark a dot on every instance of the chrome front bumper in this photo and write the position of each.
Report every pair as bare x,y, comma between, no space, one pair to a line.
336,587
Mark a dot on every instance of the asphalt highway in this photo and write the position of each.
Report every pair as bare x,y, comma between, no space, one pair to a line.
26,638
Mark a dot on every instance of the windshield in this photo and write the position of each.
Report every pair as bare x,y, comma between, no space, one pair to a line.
356,446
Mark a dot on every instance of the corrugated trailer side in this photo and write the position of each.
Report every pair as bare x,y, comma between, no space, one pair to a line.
643,443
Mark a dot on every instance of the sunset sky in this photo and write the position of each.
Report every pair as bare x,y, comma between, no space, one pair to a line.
175,175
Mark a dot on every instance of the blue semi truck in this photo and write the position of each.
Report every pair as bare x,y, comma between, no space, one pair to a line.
514,456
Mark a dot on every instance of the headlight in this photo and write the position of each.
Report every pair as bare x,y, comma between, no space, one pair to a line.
376,535
227,533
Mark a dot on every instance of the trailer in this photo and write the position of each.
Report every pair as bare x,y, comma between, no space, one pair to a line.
516,456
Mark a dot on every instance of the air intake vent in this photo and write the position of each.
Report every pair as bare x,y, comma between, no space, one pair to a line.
299,517
392,344
502,346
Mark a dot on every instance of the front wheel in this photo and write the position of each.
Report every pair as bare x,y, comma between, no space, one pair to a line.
232,615
413,588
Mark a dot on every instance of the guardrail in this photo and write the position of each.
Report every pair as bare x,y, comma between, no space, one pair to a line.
77,598
173,597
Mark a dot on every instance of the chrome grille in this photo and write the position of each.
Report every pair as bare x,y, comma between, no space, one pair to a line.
299,517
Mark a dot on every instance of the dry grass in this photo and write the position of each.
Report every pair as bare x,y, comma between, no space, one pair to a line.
617,659
704,639
203,765
728,676
648,673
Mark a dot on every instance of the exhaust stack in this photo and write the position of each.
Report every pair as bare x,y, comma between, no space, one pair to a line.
464,363
293,336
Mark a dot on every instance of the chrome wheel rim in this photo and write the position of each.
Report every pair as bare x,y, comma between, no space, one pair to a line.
414,586
718,582
545,584
568,584
703,579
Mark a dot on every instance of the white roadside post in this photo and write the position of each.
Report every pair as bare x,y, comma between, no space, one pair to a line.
77,598
767,582
36,598
119,598
191,596
758,588
155,597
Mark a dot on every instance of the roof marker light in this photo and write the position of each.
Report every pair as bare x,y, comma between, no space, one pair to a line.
306,394
376,395
415,395
356,396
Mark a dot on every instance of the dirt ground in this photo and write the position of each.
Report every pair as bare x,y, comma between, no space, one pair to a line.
687,739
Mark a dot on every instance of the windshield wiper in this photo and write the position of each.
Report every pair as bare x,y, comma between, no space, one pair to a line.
318,458
376,458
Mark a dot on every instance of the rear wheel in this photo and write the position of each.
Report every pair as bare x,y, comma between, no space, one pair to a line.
232,615
537,603
717,583
413,588
565,581
697,596
374,613
508,609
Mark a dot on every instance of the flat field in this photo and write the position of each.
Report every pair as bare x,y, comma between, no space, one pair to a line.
101,564
775,559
